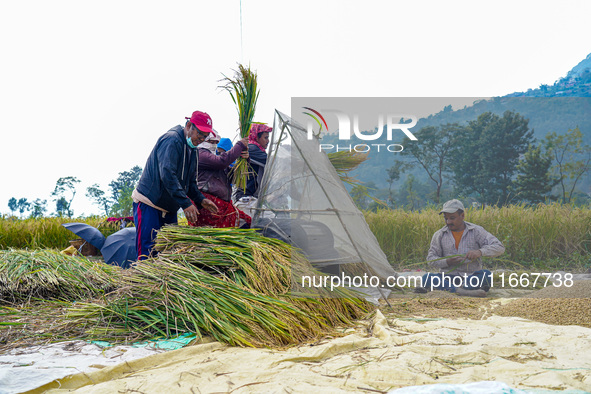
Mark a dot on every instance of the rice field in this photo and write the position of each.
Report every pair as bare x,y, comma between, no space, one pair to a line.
552,235
45,233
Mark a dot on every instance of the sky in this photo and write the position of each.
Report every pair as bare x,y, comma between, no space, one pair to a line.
87,87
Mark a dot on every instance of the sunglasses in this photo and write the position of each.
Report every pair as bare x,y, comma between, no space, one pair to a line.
202,134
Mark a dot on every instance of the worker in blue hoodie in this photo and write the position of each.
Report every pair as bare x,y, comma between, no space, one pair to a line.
169,182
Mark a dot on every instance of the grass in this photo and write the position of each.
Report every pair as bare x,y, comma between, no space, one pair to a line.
546,236
43,233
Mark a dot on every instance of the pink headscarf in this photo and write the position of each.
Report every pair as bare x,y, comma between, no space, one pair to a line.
255,129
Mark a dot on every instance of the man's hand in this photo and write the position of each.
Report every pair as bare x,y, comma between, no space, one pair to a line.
209,205
191,213
245,141
473,254
453,261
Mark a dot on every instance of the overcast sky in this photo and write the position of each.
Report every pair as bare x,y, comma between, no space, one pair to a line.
87,87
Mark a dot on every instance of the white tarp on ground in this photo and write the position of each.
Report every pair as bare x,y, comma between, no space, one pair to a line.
27,368
396,353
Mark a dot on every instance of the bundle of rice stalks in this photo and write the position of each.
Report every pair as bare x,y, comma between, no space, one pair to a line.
244,93
49,274
344,161
231,284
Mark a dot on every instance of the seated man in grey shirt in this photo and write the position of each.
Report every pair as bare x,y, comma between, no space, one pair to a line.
461,274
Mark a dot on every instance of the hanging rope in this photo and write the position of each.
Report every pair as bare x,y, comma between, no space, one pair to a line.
241,48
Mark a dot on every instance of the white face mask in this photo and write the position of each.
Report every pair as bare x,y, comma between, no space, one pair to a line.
209,146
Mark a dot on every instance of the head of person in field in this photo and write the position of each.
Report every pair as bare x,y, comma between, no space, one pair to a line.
453,213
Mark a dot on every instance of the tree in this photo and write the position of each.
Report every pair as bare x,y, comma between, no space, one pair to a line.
98,196
534,182
61,207
359,195
38,208
486,154
394,174
121,189
412,197
23,206
572,159
12,205
432,151
63,186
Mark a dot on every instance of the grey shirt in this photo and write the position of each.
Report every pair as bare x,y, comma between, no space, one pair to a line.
474,238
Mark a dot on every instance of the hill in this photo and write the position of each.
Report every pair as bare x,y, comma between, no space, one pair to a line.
557,108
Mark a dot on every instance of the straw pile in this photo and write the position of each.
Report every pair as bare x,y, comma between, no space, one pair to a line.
47,274
231,284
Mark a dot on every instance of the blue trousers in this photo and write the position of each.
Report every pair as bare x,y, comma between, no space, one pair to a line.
480,279
148,220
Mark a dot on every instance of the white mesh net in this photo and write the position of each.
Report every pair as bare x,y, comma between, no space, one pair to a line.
302,200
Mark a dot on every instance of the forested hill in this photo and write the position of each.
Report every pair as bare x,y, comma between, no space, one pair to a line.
557,108
576,83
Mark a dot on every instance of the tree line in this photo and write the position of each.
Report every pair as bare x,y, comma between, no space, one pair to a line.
117,202
493,160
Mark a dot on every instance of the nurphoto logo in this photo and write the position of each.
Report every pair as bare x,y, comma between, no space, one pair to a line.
388,124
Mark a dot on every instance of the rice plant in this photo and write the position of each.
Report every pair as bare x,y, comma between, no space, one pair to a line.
26,274
231,284
530,234
45,232
244,93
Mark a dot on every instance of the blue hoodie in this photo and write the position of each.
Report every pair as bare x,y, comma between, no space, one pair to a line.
169,179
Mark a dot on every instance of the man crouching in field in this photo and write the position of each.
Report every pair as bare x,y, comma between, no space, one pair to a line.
461,274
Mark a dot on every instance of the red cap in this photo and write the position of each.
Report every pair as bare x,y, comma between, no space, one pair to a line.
202,121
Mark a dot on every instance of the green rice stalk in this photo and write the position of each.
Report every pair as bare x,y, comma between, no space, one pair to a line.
231,284
244,93
344,162
49,274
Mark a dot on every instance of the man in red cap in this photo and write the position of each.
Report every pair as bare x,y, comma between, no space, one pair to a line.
169,182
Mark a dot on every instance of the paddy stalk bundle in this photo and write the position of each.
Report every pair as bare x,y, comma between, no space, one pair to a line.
231,284
244,93
48,274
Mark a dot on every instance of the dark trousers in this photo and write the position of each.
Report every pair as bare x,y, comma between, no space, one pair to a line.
148,221
478,280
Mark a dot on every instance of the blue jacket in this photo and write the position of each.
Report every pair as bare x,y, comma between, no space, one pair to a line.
258,160
169,178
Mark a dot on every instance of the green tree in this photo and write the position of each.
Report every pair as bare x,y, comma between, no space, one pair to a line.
432,151
572,159
486,154
12,205
23,206
121,189
61,207
533,181
394,174
65,187
412,196
359,194
98,197
38,208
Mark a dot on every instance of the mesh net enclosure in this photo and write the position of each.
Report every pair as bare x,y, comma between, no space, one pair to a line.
303,201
